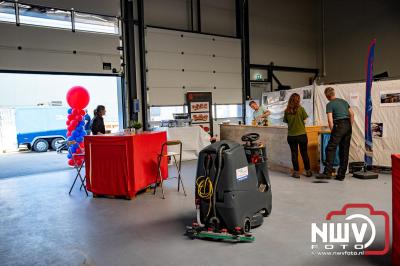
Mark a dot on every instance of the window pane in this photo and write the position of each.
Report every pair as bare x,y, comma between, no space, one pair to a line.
43,16
96,23
229,110
158,113
7,12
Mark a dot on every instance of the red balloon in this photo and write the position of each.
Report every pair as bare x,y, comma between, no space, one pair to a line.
78,97
70,117
69,133
78,161
70,128
74,123
79,117
82,145
82,112
71,162
75,111
68,122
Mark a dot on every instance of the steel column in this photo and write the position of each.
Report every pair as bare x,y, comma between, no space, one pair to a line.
143,70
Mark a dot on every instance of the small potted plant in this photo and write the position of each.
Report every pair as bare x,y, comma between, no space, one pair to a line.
136,125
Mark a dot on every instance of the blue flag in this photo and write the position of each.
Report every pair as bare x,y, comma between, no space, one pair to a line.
368,103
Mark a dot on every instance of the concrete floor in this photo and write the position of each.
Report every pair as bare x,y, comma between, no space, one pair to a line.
42,225
23,163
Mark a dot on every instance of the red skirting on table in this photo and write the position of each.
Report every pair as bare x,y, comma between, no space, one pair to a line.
123,165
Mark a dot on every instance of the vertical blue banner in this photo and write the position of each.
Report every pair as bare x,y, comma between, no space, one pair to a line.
368,103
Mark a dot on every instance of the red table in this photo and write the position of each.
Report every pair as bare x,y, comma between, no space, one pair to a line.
123,165
396,209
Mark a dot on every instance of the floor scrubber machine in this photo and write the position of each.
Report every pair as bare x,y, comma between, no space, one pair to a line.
233,190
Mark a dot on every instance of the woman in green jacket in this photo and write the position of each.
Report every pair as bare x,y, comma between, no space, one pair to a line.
295,117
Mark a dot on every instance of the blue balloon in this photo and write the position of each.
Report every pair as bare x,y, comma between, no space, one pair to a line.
83,133
69,156
81,124
79,139
75,133
69,111
71,138
73,149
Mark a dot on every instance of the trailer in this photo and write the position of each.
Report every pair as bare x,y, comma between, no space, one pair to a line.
39,127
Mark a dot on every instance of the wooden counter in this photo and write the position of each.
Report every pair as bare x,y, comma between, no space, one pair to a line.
275,139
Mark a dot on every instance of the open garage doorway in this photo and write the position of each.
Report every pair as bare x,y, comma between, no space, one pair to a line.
33,107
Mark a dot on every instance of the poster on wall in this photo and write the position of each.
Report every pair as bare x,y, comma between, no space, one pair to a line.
354,99
377,130
269,98
199,104
282,95
200,117
199,107
307,94
390,98
264,99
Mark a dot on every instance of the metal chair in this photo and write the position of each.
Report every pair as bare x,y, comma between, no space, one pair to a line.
61,145
169,155
78,169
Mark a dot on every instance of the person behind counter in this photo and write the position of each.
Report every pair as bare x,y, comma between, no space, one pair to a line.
98,127
295,117
340,121
260,114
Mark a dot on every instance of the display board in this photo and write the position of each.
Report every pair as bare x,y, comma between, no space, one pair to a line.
178,62
385,125
277,101
200,110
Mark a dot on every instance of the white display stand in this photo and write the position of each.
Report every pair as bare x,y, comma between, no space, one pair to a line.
193,139
386,113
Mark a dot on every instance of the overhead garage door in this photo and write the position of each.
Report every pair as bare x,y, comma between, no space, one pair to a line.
44,41
178,62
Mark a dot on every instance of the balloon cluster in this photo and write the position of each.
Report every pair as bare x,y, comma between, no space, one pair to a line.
77,98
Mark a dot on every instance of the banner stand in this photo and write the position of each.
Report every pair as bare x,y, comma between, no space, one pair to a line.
364,174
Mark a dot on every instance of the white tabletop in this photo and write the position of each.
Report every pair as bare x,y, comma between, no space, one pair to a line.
193,139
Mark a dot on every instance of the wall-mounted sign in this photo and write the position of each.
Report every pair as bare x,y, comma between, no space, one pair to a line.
390,98
199,104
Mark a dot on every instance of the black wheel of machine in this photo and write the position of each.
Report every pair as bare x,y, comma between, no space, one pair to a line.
247,225
56,143
214,221
40,145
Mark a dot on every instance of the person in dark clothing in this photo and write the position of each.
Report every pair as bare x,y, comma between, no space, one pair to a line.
295,117
98,127
340,120
87,123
